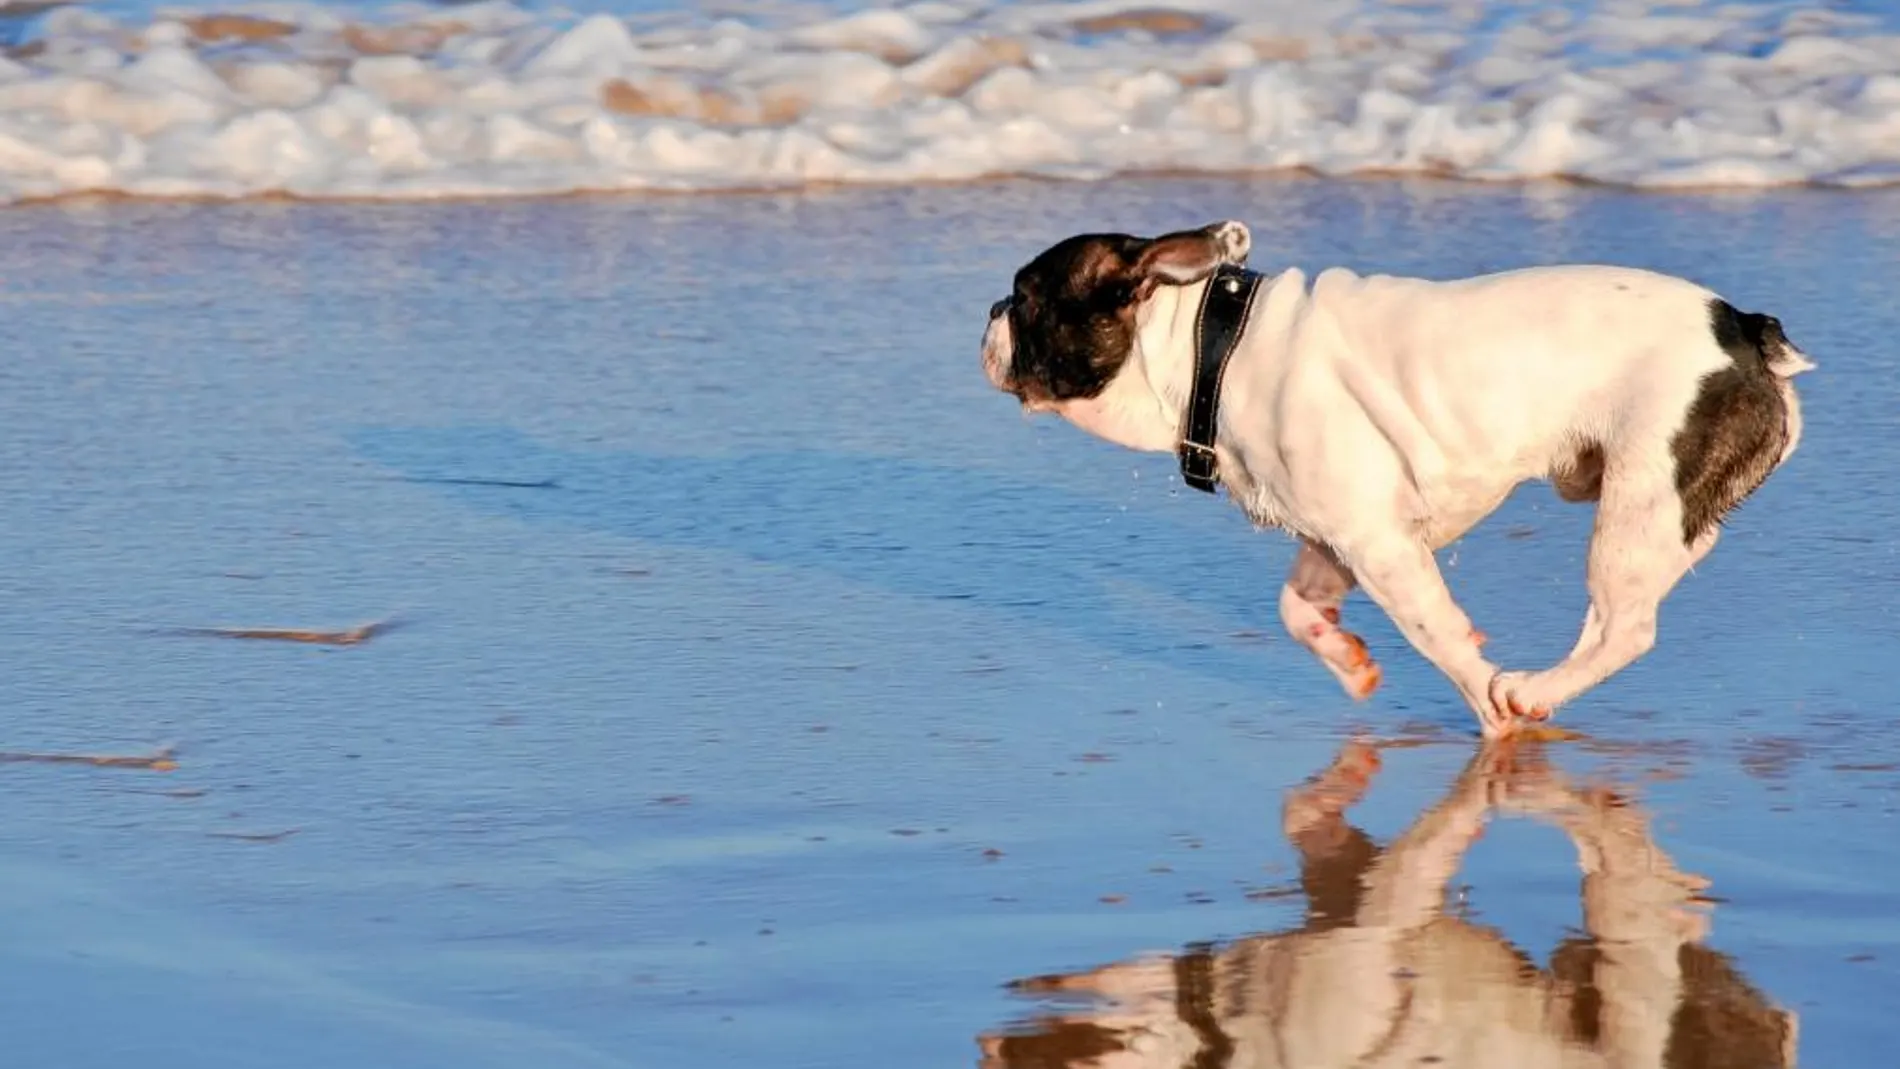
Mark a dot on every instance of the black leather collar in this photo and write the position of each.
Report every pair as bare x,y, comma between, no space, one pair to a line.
1225,305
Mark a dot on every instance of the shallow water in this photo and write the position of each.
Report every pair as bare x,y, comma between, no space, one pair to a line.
768,692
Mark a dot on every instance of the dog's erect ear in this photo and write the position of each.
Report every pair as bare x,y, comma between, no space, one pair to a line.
1188,256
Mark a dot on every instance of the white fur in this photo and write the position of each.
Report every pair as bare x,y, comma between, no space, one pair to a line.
1379,418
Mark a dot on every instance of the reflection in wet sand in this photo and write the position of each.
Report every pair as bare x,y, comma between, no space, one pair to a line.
1381,974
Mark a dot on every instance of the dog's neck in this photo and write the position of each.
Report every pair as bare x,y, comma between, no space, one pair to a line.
1164,346
1144,405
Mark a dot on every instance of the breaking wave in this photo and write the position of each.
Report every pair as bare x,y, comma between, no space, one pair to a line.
492,99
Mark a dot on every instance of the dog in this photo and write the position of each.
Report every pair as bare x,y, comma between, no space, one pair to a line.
1385,971
1377,418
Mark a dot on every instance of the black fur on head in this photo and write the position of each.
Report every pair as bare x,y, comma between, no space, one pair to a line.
1072,312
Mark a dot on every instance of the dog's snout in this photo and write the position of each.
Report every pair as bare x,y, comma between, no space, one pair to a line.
997,346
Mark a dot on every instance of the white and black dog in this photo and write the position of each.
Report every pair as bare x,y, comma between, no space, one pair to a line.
1379,418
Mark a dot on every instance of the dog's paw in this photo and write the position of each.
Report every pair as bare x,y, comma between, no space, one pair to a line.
1347,658
1234,241
1519,696
1332,791
1345,655
1360,682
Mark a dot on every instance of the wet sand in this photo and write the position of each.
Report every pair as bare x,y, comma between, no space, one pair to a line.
760,689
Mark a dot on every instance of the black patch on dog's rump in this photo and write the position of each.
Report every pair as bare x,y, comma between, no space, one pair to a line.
1738,424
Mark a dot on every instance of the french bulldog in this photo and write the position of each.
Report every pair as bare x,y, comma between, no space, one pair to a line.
1378,418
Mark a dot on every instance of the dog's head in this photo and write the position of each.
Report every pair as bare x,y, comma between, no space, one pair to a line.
1069,326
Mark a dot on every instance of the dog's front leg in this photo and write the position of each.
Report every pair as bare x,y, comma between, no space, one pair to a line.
1315,588
1401,576
1333,853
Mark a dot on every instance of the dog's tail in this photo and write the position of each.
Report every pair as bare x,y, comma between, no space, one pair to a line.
1762,353
1779,355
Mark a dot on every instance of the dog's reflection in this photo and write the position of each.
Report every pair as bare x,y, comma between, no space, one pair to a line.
1382,974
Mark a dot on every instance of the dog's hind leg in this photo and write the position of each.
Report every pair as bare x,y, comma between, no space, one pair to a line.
1315,588
1657,521
1637,557
1592,632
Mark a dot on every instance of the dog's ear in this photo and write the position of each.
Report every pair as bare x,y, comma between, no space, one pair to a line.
1188,256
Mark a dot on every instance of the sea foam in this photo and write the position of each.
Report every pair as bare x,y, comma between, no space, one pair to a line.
491,99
